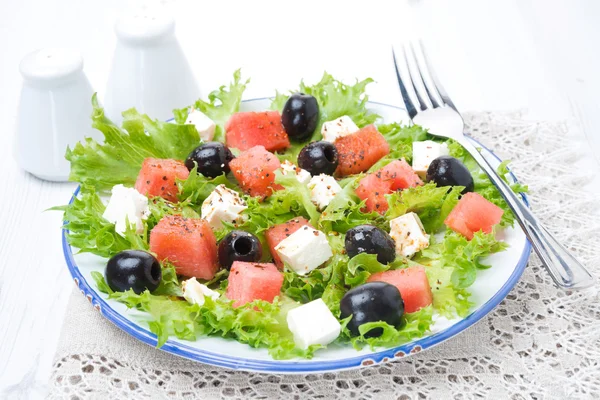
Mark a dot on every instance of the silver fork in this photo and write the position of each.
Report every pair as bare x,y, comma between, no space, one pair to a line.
429,105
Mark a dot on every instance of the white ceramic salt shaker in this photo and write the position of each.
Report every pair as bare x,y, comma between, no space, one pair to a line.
54,111
149,70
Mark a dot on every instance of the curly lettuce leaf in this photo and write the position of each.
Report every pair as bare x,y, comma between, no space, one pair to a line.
90,232
452,265
335,99
430,202
196,188
119,158
400,138
260,324
222,103
414,325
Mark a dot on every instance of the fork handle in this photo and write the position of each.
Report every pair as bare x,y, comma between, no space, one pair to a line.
566,271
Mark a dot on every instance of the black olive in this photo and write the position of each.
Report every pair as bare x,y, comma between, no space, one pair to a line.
212,159
239,246
133,269
372,302
449,171
371,240
318,158
300,116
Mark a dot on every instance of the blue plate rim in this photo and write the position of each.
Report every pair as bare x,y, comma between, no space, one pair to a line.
291,367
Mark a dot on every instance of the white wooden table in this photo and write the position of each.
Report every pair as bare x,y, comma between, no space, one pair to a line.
491,55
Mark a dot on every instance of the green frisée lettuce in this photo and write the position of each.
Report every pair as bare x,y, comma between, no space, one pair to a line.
400,138
222,103
119,158
259,323
335,100
90,232
414,325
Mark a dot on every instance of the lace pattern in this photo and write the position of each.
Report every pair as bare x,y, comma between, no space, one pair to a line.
540,343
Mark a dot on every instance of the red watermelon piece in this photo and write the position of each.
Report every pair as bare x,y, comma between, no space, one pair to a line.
360,151
277,233
253,281
413,286
401,175
245,130
394,176
188,243
373,189
473,213
157,178
254,170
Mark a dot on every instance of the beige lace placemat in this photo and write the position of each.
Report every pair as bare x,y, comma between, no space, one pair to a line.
539,343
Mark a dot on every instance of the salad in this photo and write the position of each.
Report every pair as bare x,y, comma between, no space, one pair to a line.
295,228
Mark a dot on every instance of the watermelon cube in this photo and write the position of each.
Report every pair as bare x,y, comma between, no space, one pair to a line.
277,233
473,213
401,175
245,130
394,176
373,189
188,243
413,286
360,151
157,178
254,170
253,281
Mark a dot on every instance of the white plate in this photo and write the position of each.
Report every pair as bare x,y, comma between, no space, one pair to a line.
491,286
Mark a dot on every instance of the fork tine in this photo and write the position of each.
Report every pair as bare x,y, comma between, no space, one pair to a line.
436,82
410,106
416,79
423,72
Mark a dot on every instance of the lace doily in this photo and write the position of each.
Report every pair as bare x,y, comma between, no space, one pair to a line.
540,343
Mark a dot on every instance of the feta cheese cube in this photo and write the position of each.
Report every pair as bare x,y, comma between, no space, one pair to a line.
204,125
304,250
337,128
409,234
424,153
126,204
302,175
313,323
223,204
323,188
194,292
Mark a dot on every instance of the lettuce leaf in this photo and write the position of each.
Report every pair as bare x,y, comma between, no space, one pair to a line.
414,325
222,103
90,232
430,202
335,99
119,158
400,137
259,323
196,188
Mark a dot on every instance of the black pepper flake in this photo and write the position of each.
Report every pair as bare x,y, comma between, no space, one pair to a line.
164,178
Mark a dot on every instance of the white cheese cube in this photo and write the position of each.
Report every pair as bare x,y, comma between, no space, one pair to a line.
302,175
313,323
204,125
304,250
338,128
194,292
126,204
223,204
409,234
424,153
323,188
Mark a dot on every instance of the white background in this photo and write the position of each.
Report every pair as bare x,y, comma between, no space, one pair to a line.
537,55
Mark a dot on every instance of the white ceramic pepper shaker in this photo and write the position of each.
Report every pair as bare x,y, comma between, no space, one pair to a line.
149,70
54,111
